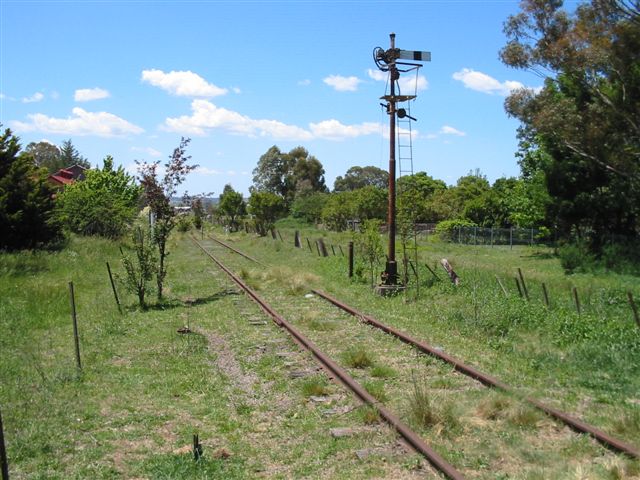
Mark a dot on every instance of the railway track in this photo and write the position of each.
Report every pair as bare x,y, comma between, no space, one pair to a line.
412,438
331,366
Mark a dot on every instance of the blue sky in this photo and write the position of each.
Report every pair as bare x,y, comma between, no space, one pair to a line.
129,78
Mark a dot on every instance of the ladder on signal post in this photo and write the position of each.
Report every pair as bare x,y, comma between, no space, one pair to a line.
405,144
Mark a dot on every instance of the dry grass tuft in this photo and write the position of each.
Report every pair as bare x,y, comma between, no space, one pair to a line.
357,357
295,282
500,407
431,411
315,387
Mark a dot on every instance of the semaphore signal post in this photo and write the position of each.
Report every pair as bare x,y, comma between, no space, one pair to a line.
388,61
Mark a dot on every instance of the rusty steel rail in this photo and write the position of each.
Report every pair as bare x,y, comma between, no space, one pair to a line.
488,380
409,435
236,251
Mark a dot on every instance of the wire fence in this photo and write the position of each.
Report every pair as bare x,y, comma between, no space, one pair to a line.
490,236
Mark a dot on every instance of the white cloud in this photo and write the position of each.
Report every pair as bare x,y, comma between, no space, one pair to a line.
152,152
183,83
207,171
88,94
236,90
101,124
36,97
342,84
378,75
447,130
206,116
482,82
334,130
305,82
408,82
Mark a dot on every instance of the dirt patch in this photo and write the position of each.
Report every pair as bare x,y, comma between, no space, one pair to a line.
228,365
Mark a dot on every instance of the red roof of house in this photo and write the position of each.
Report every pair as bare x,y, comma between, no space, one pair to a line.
62,179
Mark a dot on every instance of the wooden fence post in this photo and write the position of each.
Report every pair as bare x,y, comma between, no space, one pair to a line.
576,299
4,463
545,294
323,248
350,259
633,308
524,285
518,285
75,325
113,287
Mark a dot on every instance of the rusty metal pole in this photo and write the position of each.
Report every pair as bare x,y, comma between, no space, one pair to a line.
391,269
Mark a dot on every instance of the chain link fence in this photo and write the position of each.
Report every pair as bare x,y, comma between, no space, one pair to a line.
490,236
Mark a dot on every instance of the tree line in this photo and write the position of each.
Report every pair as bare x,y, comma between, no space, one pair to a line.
579,155
293,184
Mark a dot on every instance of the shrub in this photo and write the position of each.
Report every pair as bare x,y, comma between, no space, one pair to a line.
447,229
575,257
309,207
104,203
184,224
141,266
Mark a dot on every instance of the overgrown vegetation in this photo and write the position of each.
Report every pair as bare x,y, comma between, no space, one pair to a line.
27,206
104,203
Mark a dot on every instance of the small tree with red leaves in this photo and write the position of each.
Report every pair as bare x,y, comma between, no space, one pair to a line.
158,192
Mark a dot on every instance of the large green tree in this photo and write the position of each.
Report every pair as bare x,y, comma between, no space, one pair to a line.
70,155
415,196
358,177
287,174
266,208
27,207
103,204
232,207
582,130
46,155
54,158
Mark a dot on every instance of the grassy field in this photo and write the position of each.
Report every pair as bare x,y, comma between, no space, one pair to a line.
260,406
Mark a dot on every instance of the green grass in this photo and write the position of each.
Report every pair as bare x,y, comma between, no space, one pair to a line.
357,357
316,386
145,389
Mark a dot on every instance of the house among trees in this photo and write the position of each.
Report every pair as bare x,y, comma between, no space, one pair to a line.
66,176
